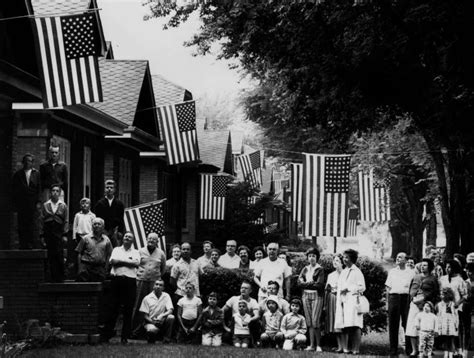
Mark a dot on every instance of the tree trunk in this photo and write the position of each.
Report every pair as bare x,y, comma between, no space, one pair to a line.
431,223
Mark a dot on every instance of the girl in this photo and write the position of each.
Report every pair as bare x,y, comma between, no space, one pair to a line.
330,300
425,322
189,309
448,321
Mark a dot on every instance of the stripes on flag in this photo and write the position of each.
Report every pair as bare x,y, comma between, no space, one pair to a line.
352,214
325,193
178,129
279,182
296,192
251,165
144,219
68,48
213,196
374,198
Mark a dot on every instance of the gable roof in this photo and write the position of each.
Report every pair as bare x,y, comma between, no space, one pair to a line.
167,92
214,149
122,81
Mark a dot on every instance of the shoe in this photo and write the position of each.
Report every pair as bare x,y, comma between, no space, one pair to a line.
309,348
319,349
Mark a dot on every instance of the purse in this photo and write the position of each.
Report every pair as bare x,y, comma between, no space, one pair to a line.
363,305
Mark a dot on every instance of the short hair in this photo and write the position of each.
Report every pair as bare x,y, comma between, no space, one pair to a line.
84,200
341,258
27,155
429,262
110,182
455,266
314,251
152,235
128,232
216,250
410,258
429,303
274,283
259,248
353,255
56,185
175,246
296,301
160,280
246,282
190,284
100,220
243,247
53,145
212,294
243,302
186,243
208,242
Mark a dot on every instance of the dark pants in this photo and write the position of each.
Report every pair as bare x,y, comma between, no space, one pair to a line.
397,309
122,294
53,232
89,272
190,337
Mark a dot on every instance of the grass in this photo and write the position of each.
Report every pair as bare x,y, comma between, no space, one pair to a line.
374,344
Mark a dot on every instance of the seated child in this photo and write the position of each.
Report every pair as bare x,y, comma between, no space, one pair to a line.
426,324
212,321
271,321
240,323
293,326
272,289
189,309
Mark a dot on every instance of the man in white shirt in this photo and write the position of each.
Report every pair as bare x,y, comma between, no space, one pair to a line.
398,287
205,259
272,268
230,259
124,262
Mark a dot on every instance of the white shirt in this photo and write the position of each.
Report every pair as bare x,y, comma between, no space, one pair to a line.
398,281
131,255
28,175
82,224
267,270
110,200
229,262
190,307
154,306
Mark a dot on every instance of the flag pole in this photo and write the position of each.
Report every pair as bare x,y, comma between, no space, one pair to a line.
179,199
335,244
315,240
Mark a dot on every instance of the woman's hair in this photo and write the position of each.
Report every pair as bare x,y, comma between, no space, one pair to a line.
448,294
216,250
258,248
341,258
243,247
430,263
455,267
313,251
353,255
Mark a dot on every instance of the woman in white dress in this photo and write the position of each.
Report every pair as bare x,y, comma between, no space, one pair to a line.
350,285
331,300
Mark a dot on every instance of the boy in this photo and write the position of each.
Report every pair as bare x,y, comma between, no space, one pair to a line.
212,320
240,321
271,321
189,309
293,326
83,220
273,288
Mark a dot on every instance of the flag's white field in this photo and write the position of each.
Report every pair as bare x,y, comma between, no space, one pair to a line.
296,191
374,198
352,214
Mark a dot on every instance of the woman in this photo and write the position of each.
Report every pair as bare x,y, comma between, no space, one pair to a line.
424,287
455,281
311,280
330,300
215,254
350,285
244,254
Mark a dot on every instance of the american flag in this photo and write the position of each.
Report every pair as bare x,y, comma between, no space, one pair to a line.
178,128
374,199
296,191
325,193
251,165
144,219
352,214
68,48
278,184
260,220
213,196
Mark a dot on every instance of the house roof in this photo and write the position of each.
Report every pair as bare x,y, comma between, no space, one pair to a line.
42,7
122,81
167,92
213,147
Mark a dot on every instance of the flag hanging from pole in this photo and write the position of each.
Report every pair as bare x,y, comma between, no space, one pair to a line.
374,199
68,45
261,218
296,191
213,196
178,129
325,194
144,219
251,165
352,215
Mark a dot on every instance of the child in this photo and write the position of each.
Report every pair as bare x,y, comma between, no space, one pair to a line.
240,321
293,326
189,309
448,321
426,324
271,321
83,220
212,320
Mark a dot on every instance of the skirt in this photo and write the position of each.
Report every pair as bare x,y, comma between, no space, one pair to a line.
411,330
330,313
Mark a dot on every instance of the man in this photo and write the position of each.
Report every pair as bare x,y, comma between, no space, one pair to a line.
54,172
157,309
184,271
26,201
55,227
230,259
232,304
398,286
152,267
124,261
111,209
283,306
205,259
272,269
93,254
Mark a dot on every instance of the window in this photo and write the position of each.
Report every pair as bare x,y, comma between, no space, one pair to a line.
125,181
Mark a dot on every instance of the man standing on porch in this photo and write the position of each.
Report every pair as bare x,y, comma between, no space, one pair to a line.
54,172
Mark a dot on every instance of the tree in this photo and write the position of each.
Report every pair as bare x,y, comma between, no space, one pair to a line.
335,65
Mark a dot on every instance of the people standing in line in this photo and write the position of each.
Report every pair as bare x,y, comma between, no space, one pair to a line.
424,287
55,226
54,172
26,190
398,288
330,300
312,281
425,323
111,209
350,286
175,256
230,260
205,259
93,254
82,225
186,270
189,310
212,321
124,262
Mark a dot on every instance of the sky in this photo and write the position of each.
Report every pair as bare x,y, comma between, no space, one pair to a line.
134,38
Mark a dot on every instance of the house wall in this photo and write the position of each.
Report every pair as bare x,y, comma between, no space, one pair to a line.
149,190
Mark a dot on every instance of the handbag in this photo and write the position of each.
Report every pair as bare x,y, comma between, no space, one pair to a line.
363,305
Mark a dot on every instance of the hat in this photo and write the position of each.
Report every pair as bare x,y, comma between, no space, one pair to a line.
272,298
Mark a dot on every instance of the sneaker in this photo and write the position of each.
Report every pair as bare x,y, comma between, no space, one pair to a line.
319,349
309,348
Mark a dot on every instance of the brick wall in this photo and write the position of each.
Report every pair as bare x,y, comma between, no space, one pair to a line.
148,180
108,167
191,182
